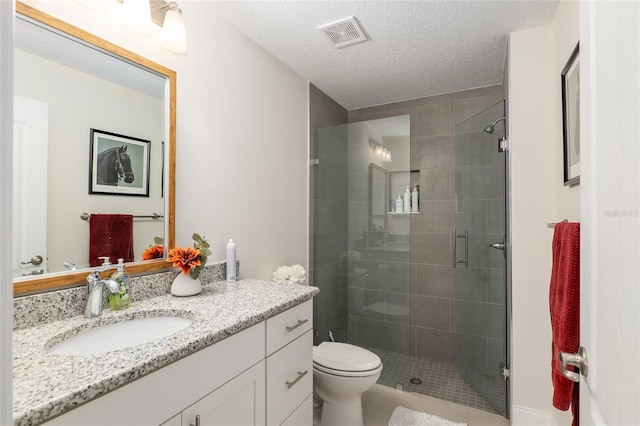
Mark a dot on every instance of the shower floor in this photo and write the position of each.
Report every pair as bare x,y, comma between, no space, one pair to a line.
439,380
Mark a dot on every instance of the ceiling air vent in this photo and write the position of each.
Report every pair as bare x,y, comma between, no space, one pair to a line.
343,32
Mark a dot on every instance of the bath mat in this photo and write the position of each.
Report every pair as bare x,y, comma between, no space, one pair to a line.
402,416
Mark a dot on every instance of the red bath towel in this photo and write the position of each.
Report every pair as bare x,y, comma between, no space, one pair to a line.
110,235
564,304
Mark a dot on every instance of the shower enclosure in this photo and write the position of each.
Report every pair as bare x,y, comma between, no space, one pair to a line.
364,265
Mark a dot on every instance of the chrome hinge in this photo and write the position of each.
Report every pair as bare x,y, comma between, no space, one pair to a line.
503,145
314,162
505,371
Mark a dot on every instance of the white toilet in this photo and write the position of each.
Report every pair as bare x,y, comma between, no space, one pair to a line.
341,374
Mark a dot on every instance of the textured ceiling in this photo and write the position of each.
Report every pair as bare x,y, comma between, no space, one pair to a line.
415,48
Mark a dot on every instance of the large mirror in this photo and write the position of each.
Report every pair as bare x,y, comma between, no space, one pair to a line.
94,147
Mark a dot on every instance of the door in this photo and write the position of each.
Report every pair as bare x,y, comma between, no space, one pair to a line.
480,262
30,186
610,212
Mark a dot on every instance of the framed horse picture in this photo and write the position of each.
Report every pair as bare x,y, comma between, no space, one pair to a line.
118,164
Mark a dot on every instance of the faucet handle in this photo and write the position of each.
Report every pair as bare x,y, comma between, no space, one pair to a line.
93,278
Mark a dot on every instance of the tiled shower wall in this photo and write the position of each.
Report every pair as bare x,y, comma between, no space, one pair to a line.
433,297
329,210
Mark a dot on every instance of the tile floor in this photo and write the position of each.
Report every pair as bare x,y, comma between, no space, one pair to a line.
439,380
378,405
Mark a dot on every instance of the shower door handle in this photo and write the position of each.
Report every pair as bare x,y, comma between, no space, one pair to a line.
497,246
456,262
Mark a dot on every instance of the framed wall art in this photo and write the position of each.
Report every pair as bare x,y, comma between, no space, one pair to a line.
571,118
118,164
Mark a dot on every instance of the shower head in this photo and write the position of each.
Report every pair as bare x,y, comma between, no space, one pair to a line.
489,129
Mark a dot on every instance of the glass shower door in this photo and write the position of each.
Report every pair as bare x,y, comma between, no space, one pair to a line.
480,256
361,245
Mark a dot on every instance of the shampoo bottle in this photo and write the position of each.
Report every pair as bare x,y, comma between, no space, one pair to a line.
407,201
121,300
415,197
231,261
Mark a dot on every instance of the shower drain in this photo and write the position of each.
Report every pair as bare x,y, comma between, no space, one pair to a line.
415,381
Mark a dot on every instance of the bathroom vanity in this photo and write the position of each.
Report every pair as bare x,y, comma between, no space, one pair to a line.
245,359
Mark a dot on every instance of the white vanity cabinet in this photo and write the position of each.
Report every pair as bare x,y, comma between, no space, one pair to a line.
261,375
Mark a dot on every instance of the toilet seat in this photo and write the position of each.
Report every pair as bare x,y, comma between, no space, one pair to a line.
342,359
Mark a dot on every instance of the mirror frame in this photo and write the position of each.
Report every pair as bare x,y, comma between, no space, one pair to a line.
59,280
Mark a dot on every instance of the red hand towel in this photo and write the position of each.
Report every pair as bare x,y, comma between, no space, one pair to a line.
564,304
110,235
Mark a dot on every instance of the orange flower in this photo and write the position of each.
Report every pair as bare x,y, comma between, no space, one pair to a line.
153,252
184,258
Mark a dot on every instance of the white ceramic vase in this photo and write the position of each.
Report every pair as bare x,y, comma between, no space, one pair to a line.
184,285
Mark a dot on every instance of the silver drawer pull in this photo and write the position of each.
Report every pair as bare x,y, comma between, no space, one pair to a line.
293,327
301,374
197,421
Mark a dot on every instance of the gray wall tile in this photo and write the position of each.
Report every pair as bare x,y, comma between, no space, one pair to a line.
434,344
435,281
431,312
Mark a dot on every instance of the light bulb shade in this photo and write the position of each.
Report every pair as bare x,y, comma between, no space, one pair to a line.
137,16
378,150
174,32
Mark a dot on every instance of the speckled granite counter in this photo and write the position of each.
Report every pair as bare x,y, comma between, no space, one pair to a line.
47,385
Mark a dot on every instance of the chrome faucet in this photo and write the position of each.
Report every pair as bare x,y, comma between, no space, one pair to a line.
93,308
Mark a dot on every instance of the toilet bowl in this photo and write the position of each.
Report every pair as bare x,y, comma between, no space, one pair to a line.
341,374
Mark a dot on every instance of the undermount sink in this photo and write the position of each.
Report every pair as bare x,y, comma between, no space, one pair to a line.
120,335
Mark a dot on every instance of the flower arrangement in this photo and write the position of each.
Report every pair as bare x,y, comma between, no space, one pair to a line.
155,251
289,274
191,260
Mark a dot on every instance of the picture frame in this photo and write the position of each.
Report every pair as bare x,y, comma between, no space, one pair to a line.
570,77
118,164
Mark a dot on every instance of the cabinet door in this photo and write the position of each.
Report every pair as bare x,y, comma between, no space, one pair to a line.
239,402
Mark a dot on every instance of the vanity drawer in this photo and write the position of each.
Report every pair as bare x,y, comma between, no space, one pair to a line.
289,325
289,378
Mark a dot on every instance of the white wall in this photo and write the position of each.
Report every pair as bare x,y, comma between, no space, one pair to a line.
242,137
112,108
536,59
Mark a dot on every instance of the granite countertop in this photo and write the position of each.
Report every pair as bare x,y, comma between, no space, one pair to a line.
46,385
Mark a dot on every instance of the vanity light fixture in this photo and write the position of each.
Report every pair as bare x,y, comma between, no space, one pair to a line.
140,15
383,153
174,32
137,16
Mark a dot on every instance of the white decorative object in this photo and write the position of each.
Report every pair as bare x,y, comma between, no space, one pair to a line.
184,285
294,274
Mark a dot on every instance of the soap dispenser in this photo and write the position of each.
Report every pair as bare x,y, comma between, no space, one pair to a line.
122,299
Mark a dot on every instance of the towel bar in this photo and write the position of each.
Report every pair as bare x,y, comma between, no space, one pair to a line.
154,216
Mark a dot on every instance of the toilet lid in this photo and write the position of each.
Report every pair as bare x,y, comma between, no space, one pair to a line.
344,357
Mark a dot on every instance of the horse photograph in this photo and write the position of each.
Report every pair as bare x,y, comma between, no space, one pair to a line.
118,164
